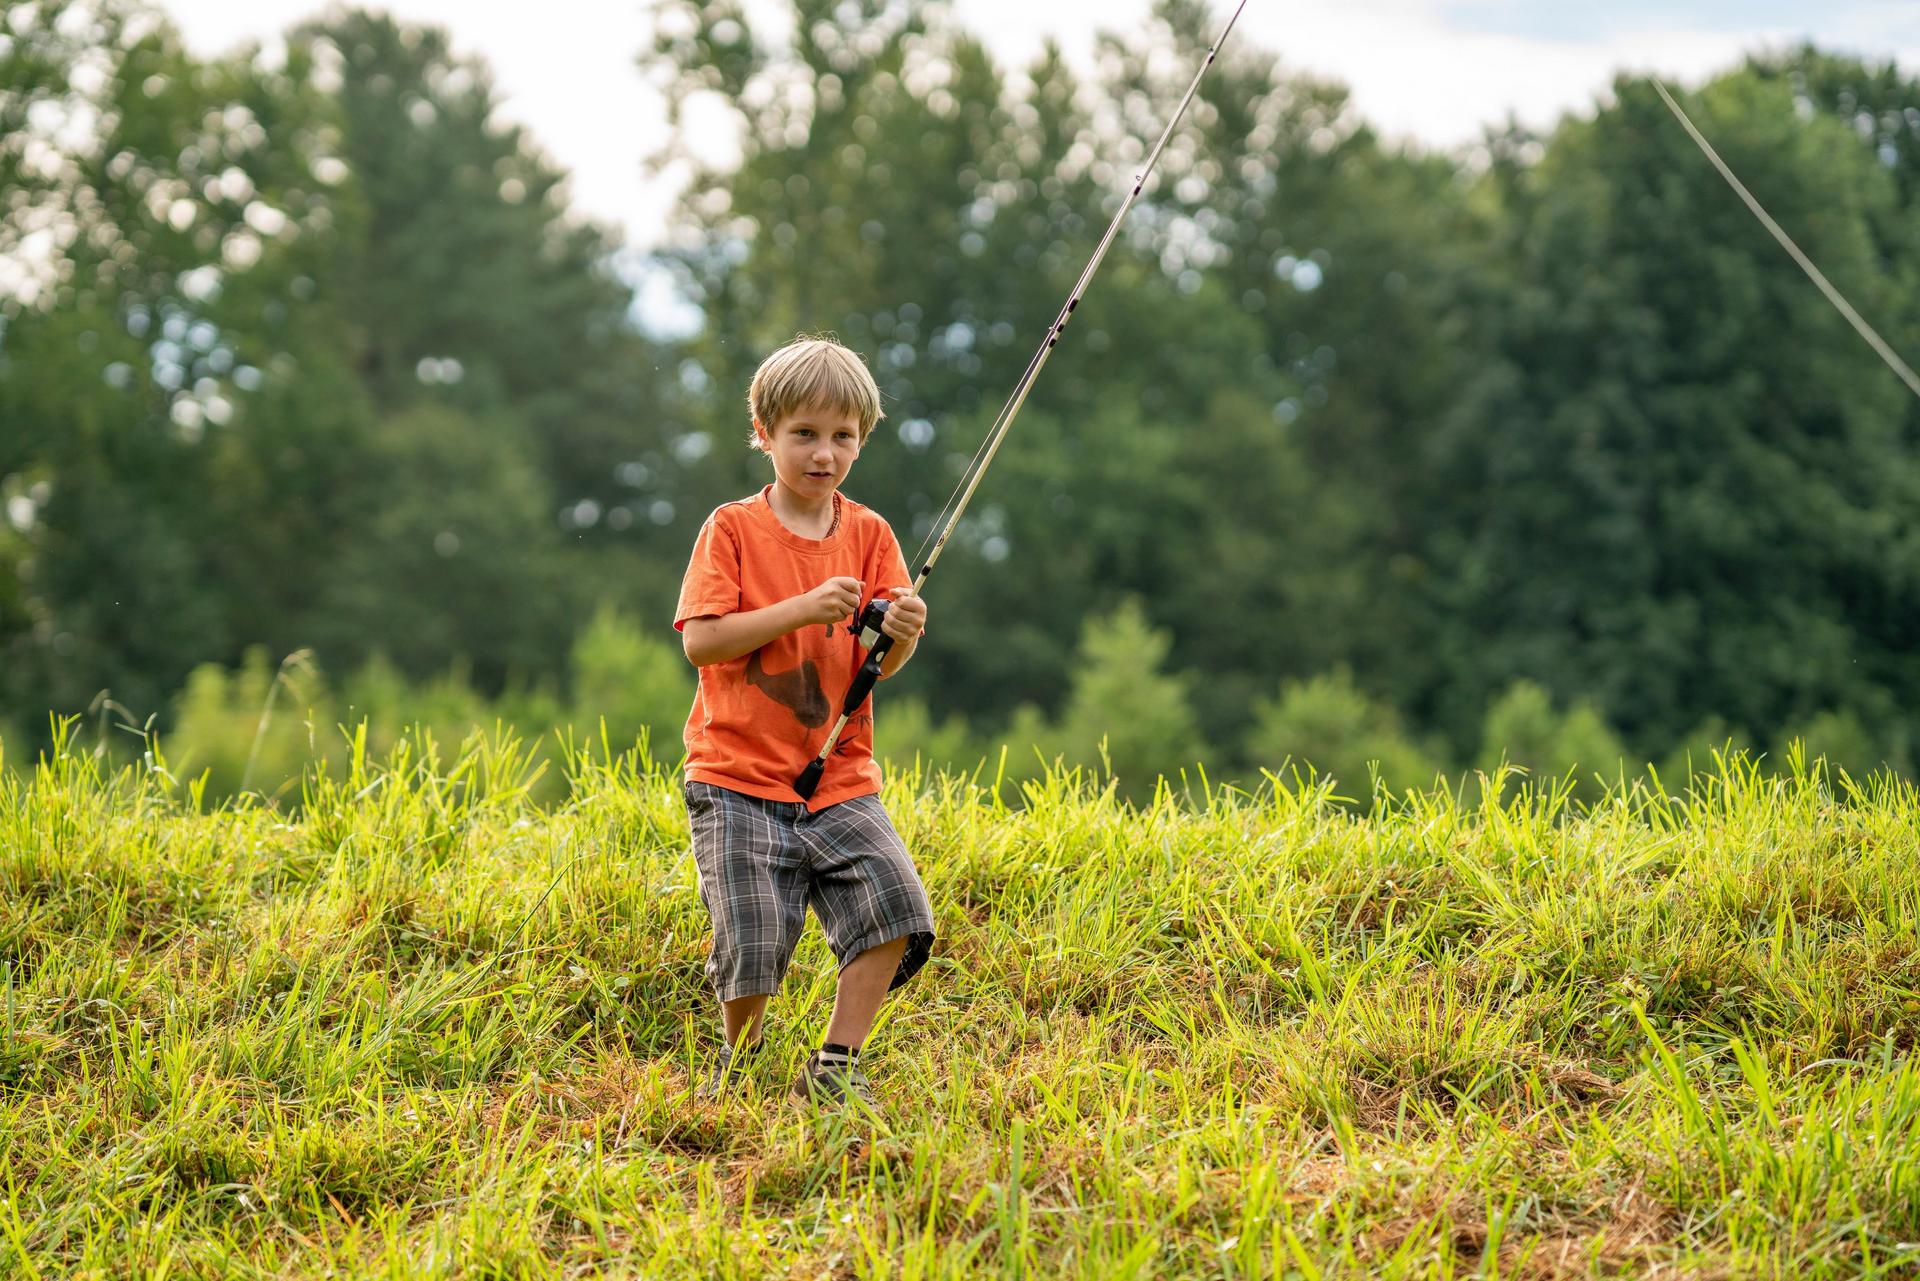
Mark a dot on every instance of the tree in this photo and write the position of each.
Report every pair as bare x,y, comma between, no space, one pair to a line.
469,280
1125,710
257,311
1674,488
633,679
897,187
1331,726
153,237
1524,728
450,552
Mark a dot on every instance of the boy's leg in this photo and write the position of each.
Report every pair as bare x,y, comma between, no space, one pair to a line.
742,1017
863,985
866,890
879,923
753,880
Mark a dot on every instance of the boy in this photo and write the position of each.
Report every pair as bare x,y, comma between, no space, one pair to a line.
766,613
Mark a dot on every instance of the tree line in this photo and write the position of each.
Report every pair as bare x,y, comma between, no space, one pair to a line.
309,353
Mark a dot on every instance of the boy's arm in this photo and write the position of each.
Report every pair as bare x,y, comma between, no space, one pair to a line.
720,638
897,657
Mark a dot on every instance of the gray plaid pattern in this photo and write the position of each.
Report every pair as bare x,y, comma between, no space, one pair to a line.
762,863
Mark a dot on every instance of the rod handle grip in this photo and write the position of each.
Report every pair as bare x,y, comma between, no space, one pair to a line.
863,683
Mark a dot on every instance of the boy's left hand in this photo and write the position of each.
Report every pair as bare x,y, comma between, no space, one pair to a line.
906,616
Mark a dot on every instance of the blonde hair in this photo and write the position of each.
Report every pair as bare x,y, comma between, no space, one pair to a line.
812,371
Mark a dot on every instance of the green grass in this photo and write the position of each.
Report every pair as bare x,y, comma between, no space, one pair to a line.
1222,1035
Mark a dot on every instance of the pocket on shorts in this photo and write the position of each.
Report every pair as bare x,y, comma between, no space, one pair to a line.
701,814
700,798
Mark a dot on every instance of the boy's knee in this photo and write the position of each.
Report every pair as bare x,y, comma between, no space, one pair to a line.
907,953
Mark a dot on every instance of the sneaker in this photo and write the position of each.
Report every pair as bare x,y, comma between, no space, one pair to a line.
728,1074
833,1083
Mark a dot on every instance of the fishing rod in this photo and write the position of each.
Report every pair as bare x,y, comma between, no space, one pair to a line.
877,642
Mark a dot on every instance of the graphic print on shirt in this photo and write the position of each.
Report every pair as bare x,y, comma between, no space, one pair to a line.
797,690
849,739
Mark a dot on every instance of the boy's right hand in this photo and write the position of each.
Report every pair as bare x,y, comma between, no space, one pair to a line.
831,601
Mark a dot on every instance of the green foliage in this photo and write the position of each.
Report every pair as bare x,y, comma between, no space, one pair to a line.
634,682
1023,751
1844,741
1330,725
1698,755
905,733
470,281
1152,459
1524,728
1126,714
315,322
452,552
254,729
444,709
638,681
1671,484
321,359
181,238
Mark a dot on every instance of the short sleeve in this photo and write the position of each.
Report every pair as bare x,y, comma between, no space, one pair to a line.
886,565
712,584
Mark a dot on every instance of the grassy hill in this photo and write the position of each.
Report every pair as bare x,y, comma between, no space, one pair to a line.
419,1026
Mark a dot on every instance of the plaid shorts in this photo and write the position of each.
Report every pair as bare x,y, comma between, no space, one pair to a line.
762,863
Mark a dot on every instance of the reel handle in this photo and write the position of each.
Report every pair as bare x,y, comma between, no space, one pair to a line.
878,644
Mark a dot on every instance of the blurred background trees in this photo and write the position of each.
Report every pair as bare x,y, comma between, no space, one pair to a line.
1356,455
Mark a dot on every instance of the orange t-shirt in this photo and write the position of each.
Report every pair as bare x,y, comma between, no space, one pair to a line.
758,720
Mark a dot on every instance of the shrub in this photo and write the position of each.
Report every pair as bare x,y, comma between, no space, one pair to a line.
907,732
1525,729
252,729
1021,750
447,707
633,677
1123,699
1846,742
1694,755
1329,724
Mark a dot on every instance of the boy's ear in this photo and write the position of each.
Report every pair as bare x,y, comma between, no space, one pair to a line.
760,434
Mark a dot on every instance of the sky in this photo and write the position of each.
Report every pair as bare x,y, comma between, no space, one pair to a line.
1432,70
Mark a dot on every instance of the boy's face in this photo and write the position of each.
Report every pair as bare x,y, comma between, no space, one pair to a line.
812,449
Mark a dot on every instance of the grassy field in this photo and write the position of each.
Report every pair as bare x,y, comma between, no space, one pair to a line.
1220,1036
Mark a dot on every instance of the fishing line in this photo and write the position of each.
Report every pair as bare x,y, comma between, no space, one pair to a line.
939,521
1834,296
